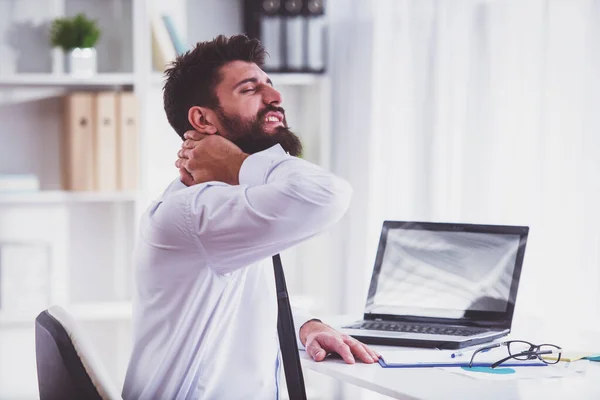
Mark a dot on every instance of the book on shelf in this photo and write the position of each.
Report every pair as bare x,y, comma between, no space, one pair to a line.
178,42
127,136
78,158
163,49
100,142
105,141
16,183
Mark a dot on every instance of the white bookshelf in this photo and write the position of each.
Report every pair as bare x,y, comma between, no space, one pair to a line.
91,234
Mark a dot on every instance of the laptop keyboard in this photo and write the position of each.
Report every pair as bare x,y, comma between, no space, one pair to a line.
392,326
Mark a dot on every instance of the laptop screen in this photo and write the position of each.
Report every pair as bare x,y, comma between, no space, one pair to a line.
446,270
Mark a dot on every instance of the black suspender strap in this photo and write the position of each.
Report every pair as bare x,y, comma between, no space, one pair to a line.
287,336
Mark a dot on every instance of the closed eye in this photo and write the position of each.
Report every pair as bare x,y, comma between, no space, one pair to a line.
248,90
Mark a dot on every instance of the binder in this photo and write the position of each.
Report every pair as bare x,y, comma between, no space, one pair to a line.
178,42
295,37
163,49
127,141
271,34
316,35
78,139
105,143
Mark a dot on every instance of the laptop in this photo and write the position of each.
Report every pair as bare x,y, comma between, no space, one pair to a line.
442,285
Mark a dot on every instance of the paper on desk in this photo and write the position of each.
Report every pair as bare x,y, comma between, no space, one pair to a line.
559,370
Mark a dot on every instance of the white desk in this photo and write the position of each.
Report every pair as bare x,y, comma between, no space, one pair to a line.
433,383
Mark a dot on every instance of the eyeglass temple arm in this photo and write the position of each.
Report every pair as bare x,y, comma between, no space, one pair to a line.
523,353
484,349
494,365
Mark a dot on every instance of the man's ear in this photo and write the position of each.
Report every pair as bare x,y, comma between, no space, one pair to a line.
200,117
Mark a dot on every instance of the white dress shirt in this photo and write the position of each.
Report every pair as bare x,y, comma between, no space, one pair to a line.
205,307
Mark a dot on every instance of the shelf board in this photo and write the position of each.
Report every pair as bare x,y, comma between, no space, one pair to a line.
279,79
58,196
101,311
65,80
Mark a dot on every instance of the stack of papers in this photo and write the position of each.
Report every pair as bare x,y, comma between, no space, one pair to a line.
569,356
444,358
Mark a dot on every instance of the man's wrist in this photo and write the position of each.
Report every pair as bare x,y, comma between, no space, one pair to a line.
308,327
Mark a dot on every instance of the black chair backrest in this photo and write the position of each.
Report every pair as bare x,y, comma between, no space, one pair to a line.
61,374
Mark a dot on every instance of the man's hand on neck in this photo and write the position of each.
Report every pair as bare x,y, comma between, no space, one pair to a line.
205,158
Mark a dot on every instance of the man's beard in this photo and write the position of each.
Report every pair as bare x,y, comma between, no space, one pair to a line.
251,137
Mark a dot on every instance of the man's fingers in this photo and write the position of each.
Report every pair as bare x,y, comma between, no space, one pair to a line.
190,143
315,350
338,345
184,153
186,177
358,349
370,351
194,135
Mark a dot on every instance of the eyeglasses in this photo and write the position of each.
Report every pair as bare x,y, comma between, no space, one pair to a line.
522,350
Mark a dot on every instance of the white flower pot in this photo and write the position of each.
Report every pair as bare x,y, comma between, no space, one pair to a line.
82,62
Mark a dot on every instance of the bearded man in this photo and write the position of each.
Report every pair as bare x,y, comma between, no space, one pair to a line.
205,307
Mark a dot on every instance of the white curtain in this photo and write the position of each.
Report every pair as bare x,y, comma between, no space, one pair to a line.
480,112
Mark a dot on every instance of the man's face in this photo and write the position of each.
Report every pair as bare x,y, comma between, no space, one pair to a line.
250,113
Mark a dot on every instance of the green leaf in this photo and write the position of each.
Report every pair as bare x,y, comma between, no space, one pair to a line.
78,31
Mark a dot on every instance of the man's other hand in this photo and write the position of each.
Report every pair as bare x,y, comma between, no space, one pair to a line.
205,158
320,339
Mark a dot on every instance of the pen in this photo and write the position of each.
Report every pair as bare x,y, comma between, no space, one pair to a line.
457,354
460,353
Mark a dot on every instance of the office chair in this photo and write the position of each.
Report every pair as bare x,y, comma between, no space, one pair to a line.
67,365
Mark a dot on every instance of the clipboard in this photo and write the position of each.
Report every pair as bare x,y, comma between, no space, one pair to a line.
444,359
486,365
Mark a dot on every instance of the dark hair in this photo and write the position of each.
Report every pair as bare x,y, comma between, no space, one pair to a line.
193,76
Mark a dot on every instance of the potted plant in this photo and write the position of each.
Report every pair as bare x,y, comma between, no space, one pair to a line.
77,37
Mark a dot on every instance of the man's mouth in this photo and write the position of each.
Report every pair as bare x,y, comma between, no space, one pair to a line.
274,118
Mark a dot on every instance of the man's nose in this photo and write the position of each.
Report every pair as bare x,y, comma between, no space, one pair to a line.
272,96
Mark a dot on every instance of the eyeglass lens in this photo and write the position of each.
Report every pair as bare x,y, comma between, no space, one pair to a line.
518,347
